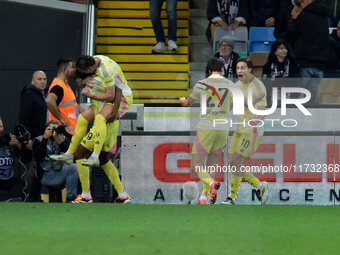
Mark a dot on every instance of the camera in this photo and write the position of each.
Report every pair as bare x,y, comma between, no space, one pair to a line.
59,129
21,133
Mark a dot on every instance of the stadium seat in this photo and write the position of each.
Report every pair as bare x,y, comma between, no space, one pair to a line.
259,59
240,36
261,39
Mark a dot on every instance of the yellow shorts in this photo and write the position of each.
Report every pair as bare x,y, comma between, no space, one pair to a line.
98,105
210,141
125,104
110,144
245,144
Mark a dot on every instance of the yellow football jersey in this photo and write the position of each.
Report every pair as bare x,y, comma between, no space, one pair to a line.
257,86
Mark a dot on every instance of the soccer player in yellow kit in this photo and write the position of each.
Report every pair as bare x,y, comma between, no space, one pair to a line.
110,145
100,76
210,140
246,139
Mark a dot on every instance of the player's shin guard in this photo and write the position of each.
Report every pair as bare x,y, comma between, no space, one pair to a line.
112,173
79,133
251,179
84,175
204,177
235,185
99,128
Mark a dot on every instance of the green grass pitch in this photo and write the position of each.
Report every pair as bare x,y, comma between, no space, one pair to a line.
31,228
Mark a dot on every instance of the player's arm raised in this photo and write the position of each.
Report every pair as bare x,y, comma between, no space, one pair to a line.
118,97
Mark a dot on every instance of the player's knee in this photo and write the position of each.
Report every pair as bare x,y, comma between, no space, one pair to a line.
80,153
234,159
88,114
104,157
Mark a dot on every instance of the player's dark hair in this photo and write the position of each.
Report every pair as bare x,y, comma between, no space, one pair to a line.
214,65
245,60
84,62
63,63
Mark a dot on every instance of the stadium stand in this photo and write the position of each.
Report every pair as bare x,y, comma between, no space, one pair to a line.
125,33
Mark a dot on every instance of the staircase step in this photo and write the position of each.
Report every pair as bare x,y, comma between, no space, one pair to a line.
202,13
197,66
107,40
121,49
199,4
198,39
116,13
198,26
136,31
196,76
200,52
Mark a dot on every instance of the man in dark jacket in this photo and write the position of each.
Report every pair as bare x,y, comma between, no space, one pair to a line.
33,109
334,40
265,12
309,33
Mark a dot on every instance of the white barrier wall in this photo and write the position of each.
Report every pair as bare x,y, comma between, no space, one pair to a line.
155,166
184,119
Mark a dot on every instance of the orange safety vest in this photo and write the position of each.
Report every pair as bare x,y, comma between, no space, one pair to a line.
68,106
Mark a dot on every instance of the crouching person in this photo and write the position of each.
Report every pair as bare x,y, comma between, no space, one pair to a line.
52,173
12,186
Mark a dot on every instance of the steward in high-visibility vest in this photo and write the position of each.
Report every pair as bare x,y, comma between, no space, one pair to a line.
68,106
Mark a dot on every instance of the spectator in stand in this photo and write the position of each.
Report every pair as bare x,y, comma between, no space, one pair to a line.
61,101
52,173
309,33
11,186
284,20
229,56
155,15
33,110
334,39
227,14
296,9
333,12
265,12
279,65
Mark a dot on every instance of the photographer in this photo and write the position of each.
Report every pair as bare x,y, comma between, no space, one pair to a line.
11,146
48,172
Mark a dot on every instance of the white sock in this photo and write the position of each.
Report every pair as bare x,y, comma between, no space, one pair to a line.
123,194
259,186
86,195
94,155
68,153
